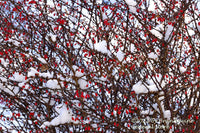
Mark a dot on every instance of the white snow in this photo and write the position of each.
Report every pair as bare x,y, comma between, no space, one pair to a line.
114,43
182,69
149,86
3,62
82,83
152,88
64,116
131,4
161,98
132,48
153,56
101,47
167,114
15,42
198,27
75,67
120,55
147,112
18,77
192,32
46,99
139,88
25,86
9,89
42,60
168,33
52,84
32,72
79,73
3,79
16,90
151,6
156,33
50,3
104,16
155,107
53,37
192,102
99,1
113,1
157,78
46,75
155,3
102,78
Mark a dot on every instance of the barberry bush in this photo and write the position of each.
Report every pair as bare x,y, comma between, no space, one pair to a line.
99,66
